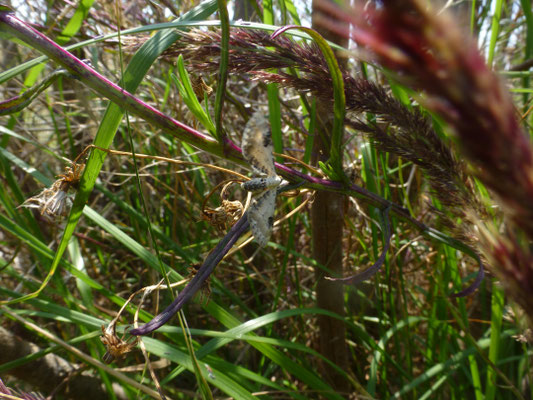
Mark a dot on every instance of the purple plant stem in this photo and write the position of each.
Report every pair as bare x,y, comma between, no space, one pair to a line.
103,86
474,285
201,276
371,271
10,24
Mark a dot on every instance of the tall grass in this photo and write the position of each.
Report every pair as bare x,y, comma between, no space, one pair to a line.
251,331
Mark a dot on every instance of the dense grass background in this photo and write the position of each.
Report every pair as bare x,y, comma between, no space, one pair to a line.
253,330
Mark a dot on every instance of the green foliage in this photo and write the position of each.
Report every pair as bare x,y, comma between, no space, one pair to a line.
189,98
252,333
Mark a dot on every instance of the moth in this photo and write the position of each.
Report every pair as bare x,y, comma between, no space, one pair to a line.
257,150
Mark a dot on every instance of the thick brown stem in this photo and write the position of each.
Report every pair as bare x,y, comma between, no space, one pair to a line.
327,230
327,222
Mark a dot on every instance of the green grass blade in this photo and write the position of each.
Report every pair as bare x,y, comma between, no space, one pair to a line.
309,141
75,23
494,31
72,27
495,338
137,69
186,91
339,99
214,377
447,366
274,116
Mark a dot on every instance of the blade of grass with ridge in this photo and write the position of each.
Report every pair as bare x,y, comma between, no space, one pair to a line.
339,98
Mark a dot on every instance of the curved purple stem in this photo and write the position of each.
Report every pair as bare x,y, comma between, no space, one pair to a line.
472,288
370,272
209,264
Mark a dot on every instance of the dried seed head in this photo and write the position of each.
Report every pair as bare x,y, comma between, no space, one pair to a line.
116,347
55,202
226,214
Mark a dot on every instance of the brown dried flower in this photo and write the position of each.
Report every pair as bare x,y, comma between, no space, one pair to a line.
55,202
116,347
226,214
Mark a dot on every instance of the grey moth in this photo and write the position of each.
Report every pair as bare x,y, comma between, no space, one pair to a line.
257,151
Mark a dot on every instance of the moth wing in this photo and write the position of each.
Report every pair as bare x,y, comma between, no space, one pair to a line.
261,216
257,145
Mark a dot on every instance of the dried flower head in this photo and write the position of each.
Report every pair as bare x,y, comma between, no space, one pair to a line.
200,87
116,347
54,201
226,214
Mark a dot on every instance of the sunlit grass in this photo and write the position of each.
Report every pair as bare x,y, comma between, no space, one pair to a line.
253,330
